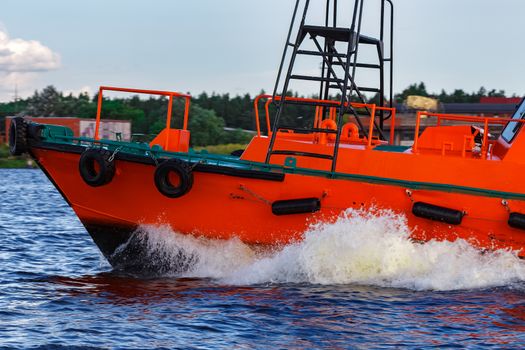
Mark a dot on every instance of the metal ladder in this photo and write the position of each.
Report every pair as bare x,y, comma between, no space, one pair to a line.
343,84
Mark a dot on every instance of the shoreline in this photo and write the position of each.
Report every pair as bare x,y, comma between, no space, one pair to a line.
9,162
17,163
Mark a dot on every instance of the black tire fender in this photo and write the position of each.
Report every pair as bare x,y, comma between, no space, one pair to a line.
92,159
18,136
162,178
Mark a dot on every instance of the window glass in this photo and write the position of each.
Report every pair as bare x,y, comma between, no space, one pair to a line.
512,128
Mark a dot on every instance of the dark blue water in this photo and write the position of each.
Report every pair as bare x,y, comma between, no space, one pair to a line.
57,290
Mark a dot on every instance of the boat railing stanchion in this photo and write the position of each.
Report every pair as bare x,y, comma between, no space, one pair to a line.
392,125
416,134
371,127
257,122
168,122
99,112
484,147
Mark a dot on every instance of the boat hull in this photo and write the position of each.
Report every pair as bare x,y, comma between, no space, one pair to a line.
225,202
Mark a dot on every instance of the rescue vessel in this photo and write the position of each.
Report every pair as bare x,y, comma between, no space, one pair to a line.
453,182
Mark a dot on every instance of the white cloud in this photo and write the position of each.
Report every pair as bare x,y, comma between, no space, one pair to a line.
19,55
21,62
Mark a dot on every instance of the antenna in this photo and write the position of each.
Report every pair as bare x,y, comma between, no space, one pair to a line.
16,98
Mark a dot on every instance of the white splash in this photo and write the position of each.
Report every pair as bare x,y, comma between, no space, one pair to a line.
361,247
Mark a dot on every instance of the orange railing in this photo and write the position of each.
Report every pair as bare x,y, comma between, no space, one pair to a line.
485,121
319,113
170,94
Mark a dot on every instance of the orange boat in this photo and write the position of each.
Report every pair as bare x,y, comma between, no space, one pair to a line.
455,180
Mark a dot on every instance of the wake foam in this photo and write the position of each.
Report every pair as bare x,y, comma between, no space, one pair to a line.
360,247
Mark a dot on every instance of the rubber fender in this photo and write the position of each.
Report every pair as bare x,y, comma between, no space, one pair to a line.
437,213
296,206
106,167
182,170
517,220
18,136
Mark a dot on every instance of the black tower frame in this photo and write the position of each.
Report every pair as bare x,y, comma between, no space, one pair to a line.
346,86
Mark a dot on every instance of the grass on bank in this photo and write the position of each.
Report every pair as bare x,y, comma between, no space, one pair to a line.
9,162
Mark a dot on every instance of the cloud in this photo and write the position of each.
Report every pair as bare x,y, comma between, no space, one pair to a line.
21,56
21,62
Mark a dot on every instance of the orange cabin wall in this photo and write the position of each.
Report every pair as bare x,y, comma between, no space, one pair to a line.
178,140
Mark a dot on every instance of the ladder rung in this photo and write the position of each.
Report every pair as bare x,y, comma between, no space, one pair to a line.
363,39
360,88
302,154
367,89
310,78
337,34
359,65
317,53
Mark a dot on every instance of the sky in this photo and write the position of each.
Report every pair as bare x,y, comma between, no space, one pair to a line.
234,46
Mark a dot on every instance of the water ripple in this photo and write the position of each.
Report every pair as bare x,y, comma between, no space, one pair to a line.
57,292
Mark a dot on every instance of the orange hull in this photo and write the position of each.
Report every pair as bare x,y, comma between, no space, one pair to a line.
222,206
454,181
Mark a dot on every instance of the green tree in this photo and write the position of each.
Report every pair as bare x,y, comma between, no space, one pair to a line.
206,127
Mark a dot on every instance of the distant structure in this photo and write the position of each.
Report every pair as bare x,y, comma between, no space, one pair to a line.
109,129
501,100
502,107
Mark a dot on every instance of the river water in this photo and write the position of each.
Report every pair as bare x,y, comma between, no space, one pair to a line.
358,283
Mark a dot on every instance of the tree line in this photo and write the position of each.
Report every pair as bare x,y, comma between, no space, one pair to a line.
209,113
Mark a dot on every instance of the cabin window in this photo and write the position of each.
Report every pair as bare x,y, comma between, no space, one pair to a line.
512,128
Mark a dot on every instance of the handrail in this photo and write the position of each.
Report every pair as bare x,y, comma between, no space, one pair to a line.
486,121
171,95
319,111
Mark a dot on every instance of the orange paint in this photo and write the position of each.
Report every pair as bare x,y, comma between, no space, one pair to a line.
221,206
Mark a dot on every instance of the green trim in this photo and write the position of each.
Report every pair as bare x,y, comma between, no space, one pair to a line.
391,148
142,149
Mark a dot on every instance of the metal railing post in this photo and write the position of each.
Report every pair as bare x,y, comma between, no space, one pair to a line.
99,112
168,122
416,135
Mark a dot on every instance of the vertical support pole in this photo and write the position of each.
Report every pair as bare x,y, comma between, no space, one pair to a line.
392,126
99,112
281,105
416,135
316,119
186,112
485,146
296,8
257,123
371,128
267,110
168,122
